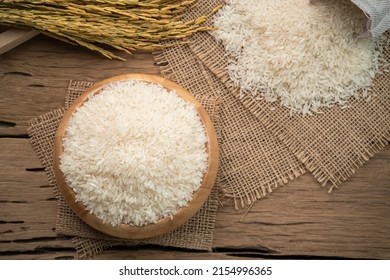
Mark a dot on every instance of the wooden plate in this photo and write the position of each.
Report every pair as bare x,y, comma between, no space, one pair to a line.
163,225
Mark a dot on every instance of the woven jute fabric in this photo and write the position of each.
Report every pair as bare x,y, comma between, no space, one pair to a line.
253,161
331,145
196,233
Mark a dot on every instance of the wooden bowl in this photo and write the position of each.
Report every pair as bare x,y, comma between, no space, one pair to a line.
164,225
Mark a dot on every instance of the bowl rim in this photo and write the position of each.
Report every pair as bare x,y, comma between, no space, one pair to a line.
167,224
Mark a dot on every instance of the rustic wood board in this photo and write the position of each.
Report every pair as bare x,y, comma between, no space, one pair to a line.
299,220
13,37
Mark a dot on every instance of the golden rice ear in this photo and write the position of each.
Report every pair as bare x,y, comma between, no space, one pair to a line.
106,25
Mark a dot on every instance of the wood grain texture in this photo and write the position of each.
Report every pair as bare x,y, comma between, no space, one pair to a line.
13,37
299,220
302,219
162,226
166,254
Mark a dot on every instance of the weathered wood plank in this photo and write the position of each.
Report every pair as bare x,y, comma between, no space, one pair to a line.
45,255
300,219
303,219
13,37
150,254
21,172
27,205
42,244
27,221
129,254
33,75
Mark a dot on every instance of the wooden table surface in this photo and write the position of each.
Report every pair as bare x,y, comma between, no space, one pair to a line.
299,220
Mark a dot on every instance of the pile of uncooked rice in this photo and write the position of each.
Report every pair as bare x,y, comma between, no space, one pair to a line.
305,53
134,153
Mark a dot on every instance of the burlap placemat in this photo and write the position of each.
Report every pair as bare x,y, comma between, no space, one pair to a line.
331,145
197,233
253,161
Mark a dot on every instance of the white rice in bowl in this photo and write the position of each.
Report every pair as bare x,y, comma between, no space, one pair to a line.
134,153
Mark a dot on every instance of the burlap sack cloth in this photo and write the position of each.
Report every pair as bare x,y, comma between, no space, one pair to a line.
197,233
331,145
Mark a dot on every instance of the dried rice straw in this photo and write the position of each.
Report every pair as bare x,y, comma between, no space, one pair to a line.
125,25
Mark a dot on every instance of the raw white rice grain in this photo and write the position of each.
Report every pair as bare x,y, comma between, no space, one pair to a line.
305,54
134,153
